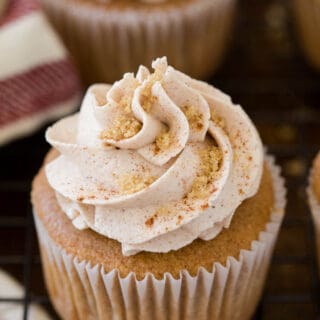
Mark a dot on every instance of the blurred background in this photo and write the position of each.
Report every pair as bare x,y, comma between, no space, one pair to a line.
265,71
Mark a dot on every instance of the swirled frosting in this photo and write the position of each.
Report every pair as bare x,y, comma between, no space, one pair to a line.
155,161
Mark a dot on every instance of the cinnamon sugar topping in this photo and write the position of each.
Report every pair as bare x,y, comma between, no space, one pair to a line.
195,118
125,104
211,158
124,127
131,183
216,119
163,141
147,99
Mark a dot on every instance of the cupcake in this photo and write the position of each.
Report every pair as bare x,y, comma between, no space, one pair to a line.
108,38
156,202
3,5
307,14
314,199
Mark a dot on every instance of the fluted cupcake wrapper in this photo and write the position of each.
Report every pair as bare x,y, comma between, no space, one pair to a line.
315,213
108,43
307,14
227,292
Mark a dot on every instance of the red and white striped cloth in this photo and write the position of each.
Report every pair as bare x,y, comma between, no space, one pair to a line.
38,82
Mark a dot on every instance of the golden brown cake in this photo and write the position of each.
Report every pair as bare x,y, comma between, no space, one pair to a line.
159,203
307,15
108,38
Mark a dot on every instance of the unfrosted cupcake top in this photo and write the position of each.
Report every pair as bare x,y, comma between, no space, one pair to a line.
155,161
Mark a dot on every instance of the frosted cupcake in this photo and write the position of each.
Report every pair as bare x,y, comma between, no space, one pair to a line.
111,37
307,13
157,203
314,199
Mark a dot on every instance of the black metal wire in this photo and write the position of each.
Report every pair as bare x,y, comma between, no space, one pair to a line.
28,266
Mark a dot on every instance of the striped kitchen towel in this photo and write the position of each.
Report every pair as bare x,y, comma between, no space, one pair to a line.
38,81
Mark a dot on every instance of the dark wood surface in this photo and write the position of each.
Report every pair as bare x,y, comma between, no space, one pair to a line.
266,73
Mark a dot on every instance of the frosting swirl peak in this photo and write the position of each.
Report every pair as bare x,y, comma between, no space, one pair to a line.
155,161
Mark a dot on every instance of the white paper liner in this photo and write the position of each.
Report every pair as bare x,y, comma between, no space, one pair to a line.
313,201
307,14
314,205
193,37
83,291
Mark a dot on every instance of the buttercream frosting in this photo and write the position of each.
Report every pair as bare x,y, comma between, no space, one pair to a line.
155,161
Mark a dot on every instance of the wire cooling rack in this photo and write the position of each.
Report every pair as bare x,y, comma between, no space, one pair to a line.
265,72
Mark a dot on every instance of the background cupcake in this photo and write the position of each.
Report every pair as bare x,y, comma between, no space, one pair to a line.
162,203
307,14
314,198
108,38
2,7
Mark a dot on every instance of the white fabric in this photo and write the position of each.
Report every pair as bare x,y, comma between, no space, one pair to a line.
26,43
10,288
28,124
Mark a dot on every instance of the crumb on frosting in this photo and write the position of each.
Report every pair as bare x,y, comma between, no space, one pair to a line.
164,211
211,158
124,127
217,119
163,141
125,104
131,183
194,117
147,99
161,212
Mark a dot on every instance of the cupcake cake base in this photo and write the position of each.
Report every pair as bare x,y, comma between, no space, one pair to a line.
88,277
